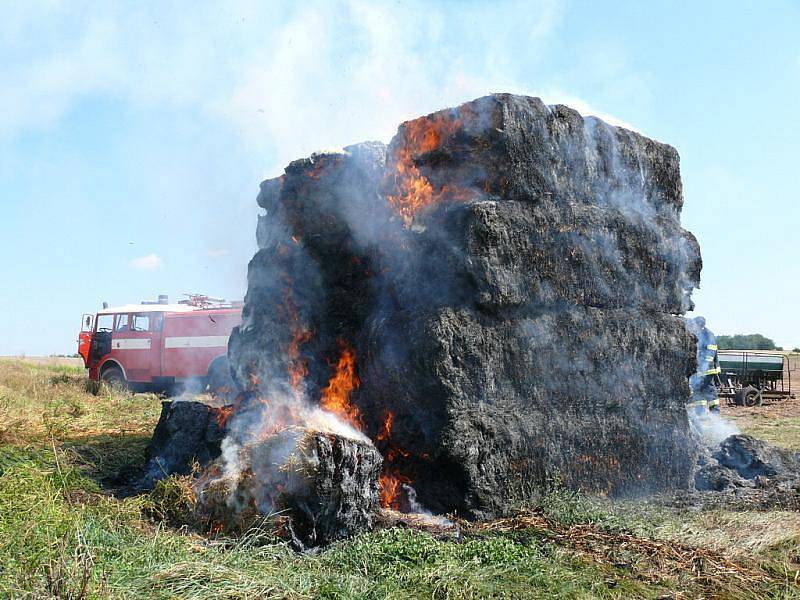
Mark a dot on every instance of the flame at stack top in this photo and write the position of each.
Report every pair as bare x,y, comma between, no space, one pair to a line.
413,191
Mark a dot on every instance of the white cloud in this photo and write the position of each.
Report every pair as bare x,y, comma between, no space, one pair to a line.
55,54
147,263
217,252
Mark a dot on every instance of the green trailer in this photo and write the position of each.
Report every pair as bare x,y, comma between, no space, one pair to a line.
748,378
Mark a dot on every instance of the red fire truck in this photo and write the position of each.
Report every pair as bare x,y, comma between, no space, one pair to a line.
161,346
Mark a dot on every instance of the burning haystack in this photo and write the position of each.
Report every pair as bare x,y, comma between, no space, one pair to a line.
493,300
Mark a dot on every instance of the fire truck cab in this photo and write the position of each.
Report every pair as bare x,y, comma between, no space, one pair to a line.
157,346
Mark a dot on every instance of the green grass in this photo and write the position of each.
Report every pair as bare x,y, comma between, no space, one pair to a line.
58,533
63,534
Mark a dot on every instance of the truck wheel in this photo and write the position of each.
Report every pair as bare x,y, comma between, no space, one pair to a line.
751,396
114,379
220,382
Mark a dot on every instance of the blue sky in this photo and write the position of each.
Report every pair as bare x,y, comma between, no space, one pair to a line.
133,135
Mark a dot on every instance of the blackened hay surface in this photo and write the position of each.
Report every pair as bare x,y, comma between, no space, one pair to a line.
188,433
520,326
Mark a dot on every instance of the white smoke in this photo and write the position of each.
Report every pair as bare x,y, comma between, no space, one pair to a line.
272,416
416,508
711,428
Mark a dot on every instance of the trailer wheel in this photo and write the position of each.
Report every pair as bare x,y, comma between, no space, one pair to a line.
750,396
114,379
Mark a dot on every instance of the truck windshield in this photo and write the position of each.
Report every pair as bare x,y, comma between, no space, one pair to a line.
105,323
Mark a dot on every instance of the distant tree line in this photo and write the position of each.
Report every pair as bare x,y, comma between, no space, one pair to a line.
752,341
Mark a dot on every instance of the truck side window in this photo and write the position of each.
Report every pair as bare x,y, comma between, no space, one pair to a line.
105,323
122,323
158,322
141,323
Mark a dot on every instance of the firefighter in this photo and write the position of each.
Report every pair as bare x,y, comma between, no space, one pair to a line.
702,383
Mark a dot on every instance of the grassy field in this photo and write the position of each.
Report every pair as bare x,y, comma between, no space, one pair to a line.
64,533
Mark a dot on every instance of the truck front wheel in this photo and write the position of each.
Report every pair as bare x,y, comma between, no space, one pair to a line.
114,378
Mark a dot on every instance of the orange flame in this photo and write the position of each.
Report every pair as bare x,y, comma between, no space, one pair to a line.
394,452
384,435
391,480
336,395
298,368
415,192
391,488
386,430
223,414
